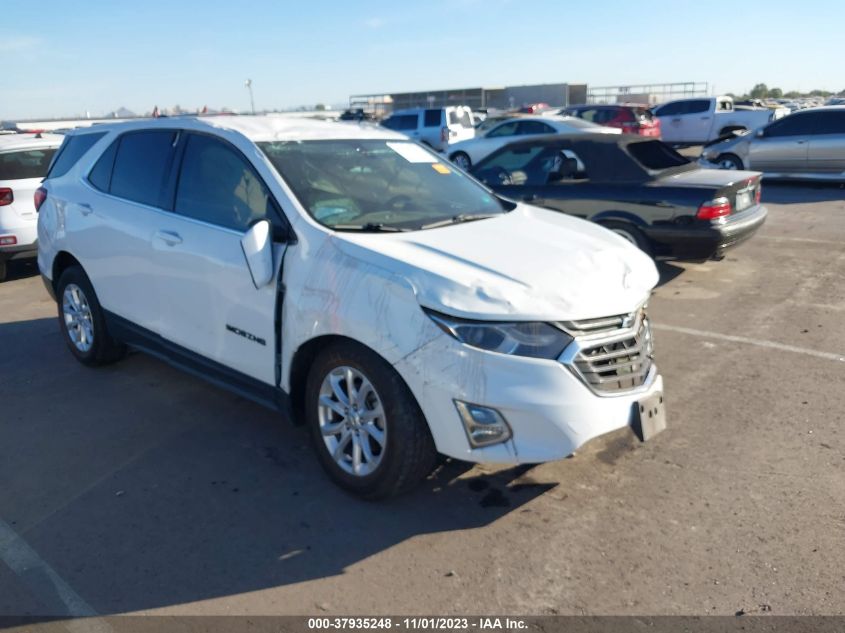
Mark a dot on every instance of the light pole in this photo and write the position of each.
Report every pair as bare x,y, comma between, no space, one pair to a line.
248,84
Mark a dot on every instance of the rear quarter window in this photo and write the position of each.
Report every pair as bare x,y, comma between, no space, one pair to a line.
32,163
73,148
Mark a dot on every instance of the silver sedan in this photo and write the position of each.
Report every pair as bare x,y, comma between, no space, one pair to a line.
807,144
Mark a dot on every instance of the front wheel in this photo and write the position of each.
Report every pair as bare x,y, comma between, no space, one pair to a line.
368,430
462,160
729,161
82,321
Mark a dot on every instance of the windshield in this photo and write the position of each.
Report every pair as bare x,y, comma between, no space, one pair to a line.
378,184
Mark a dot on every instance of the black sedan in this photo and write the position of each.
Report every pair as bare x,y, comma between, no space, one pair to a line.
639,188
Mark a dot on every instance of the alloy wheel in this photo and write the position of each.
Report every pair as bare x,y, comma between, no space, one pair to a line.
352,421
79,321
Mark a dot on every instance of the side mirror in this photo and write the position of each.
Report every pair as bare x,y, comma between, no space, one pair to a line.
760,133
257,246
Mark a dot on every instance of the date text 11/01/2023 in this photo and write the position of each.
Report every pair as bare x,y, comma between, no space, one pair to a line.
417,623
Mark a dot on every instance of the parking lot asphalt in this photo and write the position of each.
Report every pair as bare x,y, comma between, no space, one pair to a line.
137,488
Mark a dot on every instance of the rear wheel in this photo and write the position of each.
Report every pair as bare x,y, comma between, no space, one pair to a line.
3,271
729,161
630,233
82,321
462,160
368,430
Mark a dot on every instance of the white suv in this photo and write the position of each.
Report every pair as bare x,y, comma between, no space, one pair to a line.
439,128
24,159
343,273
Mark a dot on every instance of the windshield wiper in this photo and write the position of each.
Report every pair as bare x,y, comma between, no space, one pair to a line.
370,227
458,219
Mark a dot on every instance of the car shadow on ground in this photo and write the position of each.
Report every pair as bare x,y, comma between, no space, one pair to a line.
21,269
792,192
143,487
668,271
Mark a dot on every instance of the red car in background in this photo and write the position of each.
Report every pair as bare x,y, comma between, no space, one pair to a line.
631,118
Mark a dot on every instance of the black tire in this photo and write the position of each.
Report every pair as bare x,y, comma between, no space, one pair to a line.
104,349
729,161
631,233
409,455
466,163
4,269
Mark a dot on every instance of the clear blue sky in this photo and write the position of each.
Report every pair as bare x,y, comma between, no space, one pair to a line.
65,57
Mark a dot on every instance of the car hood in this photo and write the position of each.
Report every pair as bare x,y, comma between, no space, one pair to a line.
529,264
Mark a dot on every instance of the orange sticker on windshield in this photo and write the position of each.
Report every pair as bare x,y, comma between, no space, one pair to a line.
440,168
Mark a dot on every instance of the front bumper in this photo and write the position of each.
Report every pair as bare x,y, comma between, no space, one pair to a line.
550,411
707,240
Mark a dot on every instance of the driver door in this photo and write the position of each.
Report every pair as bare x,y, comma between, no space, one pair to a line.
209,302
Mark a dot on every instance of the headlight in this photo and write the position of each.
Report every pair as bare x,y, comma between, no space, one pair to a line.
536,340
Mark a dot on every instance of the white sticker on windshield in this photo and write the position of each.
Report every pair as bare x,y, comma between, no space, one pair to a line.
412,153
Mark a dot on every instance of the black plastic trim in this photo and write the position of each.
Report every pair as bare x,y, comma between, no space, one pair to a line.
270,396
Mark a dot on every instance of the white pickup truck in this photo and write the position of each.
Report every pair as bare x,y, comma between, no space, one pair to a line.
704,119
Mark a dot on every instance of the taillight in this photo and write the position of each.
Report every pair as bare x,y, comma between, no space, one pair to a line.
6,196
444,134
8,240
758,195
718,208
39,197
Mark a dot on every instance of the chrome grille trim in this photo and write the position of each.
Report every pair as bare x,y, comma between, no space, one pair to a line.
615,363
602,325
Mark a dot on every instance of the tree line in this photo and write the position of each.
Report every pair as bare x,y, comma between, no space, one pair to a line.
762,91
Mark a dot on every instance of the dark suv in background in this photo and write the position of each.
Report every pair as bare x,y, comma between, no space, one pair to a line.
631,118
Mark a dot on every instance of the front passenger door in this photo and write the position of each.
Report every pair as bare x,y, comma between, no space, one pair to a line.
211,306
783,146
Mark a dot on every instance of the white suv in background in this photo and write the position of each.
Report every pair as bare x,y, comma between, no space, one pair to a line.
24,159
350,276
438,128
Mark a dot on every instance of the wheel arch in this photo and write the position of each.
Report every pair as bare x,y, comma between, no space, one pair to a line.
301,362
612,215
61,262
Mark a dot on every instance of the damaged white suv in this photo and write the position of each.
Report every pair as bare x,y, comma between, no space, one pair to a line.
396,306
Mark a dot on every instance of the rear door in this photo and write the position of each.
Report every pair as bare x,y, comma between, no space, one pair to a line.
209,302
116,210
783,146
826,151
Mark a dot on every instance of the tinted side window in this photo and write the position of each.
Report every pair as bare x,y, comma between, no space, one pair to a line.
534,127
794,125
31,163
402,122
505,129
829,122
141,165
671,109
432,118
72,149
217,185
100,175
697,105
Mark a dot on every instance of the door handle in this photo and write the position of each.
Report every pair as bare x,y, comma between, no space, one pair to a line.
171,238
800,142
86,208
